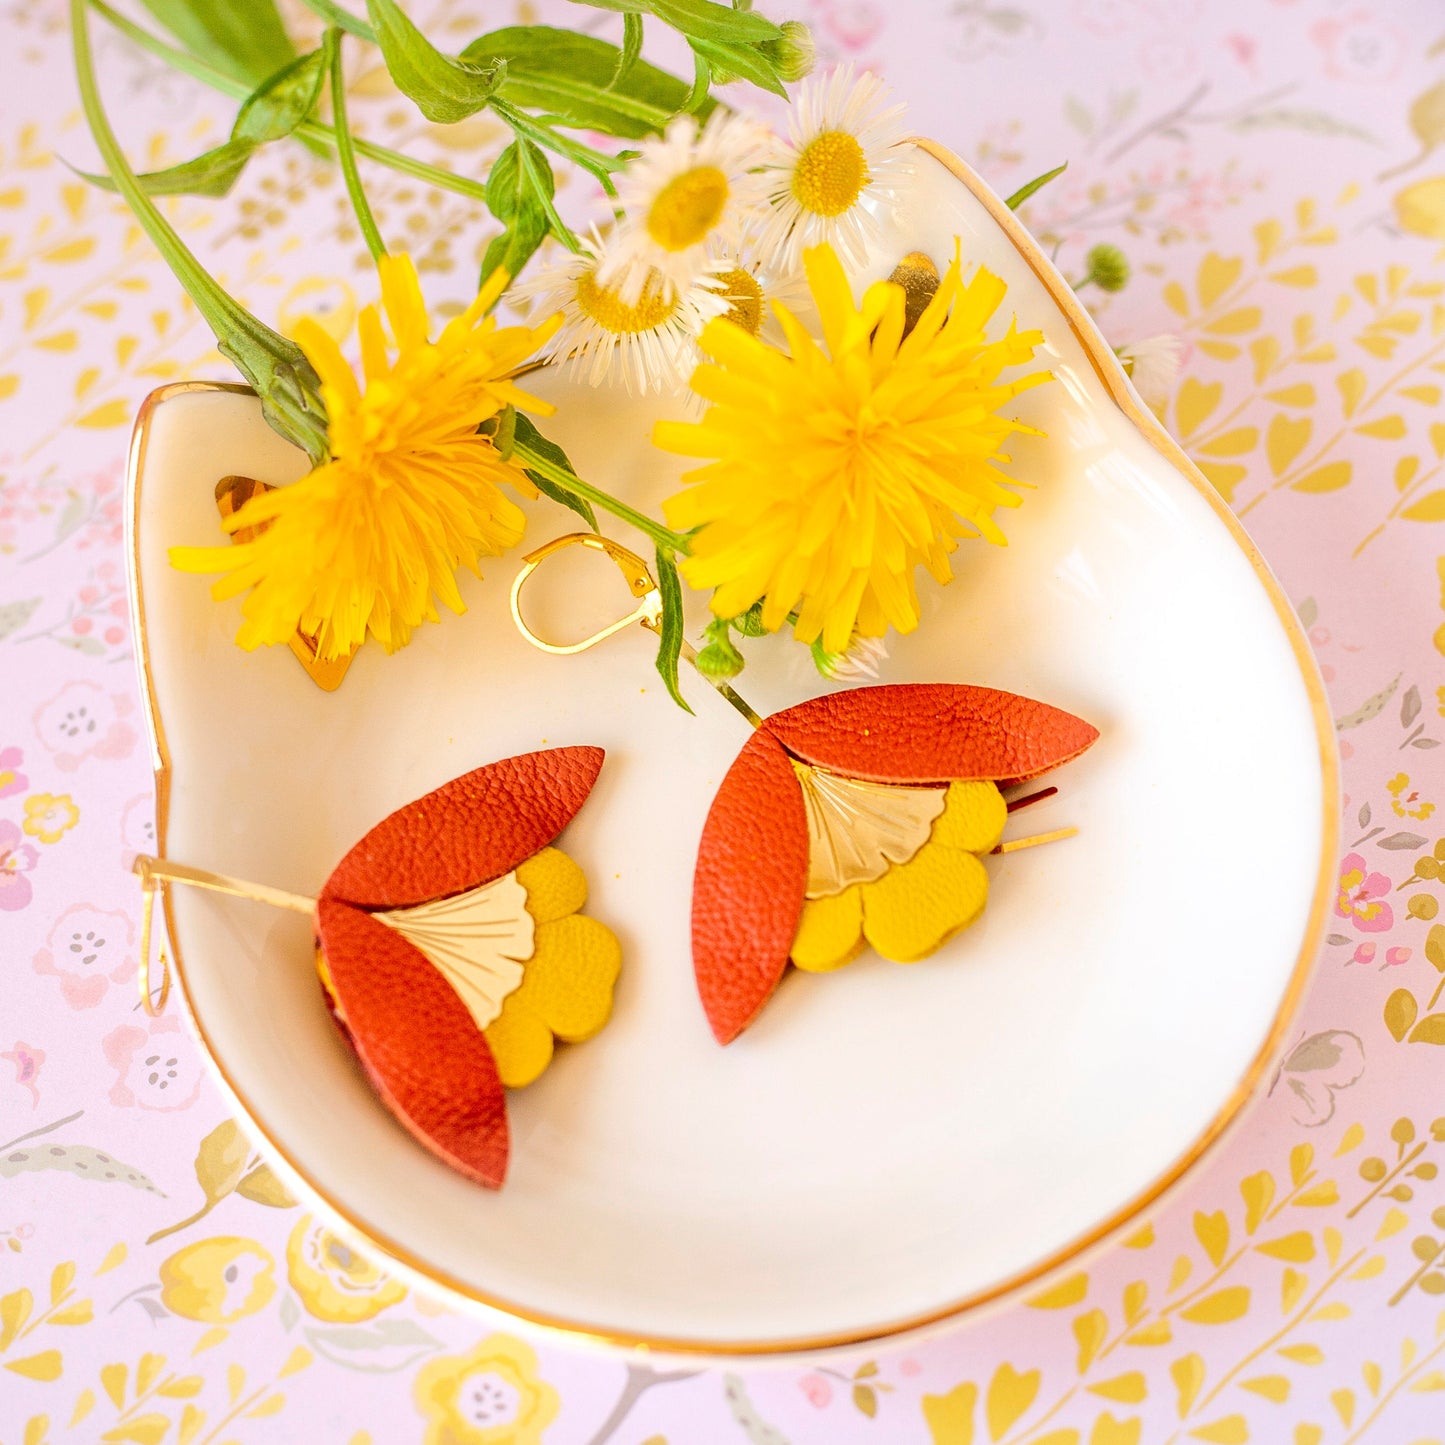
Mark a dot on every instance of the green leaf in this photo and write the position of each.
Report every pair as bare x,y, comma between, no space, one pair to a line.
508,191
276,367
270,113
581,81
513,198
669,647
704,20
527,435
246,40
283,101
212,173
504,431
1030,187
743,61
444,90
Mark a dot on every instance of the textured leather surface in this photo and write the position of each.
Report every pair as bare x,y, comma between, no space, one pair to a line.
931,733
417,1042
752,863
468,831
747,893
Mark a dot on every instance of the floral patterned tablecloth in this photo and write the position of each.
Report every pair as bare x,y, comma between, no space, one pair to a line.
1275,171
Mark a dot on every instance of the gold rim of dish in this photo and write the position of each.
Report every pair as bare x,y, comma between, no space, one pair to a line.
1116,384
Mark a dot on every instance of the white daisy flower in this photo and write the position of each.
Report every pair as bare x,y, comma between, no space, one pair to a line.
840,153
1152,365
689,192
650,342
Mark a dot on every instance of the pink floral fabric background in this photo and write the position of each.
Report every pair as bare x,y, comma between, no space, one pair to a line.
1275,171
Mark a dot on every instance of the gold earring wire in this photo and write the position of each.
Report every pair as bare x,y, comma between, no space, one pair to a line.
154,874
647,613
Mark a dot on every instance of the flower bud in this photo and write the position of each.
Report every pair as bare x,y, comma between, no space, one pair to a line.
719,660
1108,267
794,53
750,623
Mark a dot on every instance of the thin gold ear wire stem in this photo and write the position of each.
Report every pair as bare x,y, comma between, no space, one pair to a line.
1015,845
162,869
647,613
143,975
689,652
154,874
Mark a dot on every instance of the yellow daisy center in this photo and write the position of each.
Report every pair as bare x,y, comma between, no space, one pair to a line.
830,174
603,305
744,295
687,208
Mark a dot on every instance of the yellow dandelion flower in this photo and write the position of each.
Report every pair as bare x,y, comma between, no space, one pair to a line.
835,470
368,541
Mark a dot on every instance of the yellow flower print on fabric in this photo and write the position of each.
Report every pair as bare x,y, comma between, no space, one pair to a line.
332,1280
566,989
49,817
917,905
489,1396
1405,800
218,1281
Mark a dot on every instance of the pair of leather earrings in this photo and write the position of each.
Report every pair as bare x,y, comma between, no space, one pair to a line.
451,943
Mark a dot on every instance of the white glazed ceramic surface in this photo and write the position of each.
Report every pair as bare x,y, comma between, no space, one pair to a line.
887,1141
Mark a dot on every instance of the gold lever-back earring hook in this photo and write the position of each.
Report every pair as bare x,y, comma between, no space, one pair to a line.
149,883
648,612
155,873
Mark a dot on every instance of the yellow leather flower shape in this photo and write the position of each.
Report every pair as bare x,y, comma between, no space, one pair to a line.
917,904
332,1280
218,1281
489,1396
566,987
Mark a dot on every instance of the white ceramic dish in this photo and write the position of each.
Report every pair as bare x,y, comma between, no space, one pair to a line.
887,1147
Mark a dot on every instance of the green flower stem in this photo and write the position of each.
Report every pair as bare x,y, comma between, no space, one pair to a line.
313,129
346,150
534,461
285,381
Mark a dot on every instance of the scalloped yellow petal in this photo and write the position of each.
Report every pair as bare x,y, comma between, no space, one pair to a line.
973,817
569,979
520,1042
555,885
918,905
830,933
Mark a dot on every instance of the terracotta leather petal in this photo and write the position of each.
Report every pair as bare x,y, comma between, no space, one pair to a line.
931,733
747,893
468,832
417,1043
